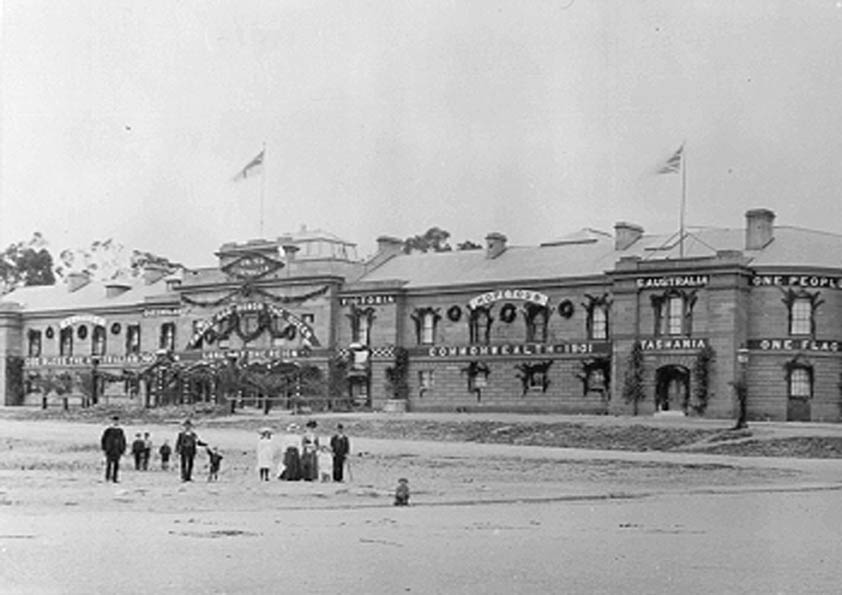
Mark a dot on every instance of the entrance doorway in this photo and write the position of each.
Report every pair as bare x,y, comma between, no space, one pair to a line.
672,387
798,409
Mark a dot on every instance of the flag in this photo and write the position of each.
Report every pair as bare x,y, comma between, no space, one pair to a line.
673,164
253,168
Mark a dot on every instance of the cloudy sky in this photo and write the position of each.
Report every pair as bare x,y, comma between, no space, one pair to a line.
129,119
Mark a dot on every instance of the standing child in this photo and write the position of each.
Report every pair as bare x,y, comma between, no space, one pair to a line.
137,451
147,451
402,492
165,451
265,453
324,459
215,462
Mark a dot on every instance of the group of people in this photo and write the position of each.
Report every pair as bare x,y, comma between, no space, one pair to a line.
303,455
113,444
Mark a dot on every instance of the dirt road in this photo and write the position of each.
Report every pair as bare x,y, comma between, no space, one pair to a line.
485,519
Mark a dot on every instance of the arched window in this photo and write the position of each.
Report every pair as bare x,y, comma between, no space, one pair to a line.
800,381
34,349
425,325
132,339
802,307
597,320
98,341
674,312
536,323
167,340
65,345
479,325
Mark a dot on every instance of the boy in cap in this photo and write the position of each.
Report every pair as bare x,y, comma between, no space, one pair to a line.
340,447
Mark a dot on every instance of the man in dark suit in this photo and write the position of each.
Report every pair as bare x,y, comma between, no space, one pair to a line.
113,444
186,446
340,446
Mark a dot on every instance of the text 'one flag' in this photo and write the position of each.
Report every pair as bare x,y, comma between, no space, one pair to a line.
673,164
253,168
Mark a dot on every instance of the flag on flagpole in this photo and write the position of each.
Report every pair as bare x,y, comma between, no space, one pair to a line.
673,164
253,168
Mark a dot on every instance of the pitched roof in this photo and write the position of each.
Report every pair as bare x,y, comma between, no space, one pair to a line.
90,296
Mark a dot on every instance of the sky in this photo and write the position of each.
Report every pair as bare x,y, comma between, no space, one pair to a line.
128,120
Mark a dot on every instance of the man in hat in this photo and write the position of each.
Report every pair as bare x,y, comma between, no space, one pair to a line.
185,447
340,447
113,444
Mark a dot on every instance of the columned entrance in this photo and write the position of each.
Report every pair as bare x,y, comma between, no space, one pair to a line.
672,388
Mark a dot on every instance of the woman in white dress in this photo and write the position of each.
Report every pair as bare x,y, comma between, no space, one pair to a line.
265,453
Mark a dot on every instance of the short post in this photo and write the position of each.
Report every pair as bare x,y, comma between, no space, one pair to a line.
741,388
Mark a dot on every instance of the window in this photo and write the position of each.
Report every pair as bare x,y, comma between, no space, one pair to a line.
65,345
361,320
477,376
98,341
426,380
599,323
800,382
167,339
480,325
132,339
34,348
536,323
534,376
673,313
425,325
801,317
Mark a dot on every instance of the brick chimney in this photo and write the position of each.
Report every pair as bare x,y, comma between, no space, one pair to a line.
387,248
76,281
760,228
495,244
626,234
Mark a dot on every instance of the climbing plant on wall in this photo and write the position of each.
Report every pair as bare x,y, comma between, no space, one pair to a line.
702,371
633,389
397,375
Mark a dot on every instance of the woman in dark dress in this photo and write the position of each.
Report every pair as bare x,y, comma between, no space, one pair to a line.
292,461
309,448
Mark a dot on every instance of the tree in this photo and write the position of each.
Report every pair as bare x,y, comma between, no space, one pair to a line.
468,245
434,239
633,390
702,377
26,263
397,375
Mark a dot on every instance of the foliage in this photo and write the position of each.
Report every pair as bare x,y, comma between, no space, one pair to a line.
338,383
14,378
105,260
432,240
701,379
633,389
397,375
468,245
26,263
740,385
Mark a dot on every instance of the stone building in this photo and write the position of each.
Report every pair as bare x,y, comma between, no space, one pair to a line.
557,327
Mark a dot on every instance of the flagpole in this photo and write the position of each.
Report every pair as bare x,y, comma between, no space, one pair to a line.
683,200
262,189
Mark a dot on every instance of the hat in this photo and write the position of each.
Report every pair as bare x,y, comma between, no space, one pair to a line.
115,418
187,422
340,427
266,430
311,424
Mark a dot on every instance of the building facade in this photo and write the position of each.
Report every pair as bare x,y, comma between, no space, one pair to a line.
588,323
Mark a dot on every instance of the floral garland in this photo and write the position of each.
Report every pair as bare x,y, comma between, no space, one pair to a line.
454,313
508,313
82,333
566,308
247,290
116,328
49,332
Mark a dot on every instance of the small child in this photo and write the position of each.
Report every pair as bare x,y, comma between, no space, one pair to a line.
324,460
165,451
215,462
402,492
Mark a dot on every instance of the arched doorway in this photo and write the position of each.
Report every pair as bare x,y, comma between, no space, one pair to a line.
672,387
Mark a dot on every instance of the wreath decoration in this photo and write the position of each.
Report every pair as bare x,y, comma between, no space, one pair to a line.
82,332
49,332
508,313
454,313
565,308
116,328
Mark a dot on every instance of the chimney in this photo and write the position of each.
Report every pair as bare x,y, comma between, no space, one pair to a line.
495,244
759,228
77,280
152,273
626,234
387,247
289,252
116,288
